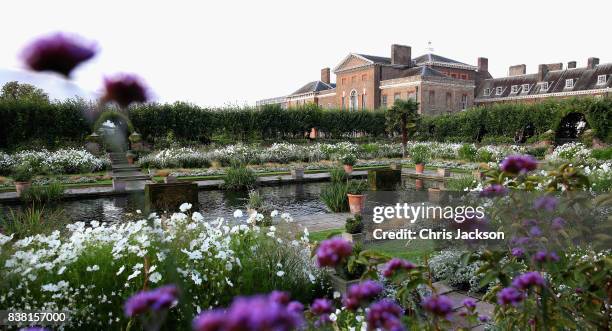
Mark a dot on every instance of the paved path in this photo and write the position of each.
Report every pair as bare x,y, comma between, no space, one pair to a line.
457,297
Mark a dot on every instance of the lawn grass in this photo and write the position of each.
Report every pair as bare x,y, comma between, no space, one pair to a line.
414,251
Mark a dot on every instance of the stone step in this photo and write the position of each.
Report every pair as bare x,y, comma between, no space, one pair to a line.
131,178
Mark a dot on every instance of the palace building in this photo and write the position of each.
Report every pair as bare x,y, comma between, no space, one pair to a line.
439,84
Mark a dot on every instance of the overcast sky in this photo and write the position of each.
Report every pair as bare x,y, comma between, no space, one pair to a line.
215,53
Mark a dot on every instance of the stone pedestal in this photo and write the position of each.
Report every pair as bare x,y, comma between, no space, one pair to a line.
384,179
169,196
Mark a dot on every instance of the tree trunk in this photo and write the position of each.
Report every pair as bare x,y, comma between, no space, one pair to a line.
404,137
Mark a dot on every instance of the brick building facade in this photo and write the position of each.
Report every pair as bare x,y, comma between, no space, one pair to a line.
441,85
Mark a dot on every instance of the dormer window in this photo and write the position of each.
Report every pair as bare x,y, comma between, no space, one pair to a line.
543,86
514,89
499,90
601,79
487,92
569,83
525,88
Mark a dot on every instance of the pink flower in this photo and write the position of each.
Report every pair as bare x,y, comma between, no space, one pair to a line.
125,89
58,52
332,251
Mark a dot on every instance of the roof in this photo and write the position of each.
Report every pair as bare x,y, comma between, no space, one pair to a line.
377,59
428,58
585,79
314,86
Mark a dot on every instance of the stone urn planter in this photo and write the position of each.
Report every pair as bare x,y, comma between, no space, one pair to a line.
131,157
340,284
419,168
21,187
356,203
297,173
92,147
443,172
348,168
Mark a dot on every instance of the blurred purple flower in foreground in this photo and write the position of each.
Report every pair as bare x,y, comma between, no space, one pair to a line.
156,300
385,315
125,89
509,296
518,164
397,264
360,293
332,251
260,312
547,202
528,280
544,256
58,52
494,190
439,305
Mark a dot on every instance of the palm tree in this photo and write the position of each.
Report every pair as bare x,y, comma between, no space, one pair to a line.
402,116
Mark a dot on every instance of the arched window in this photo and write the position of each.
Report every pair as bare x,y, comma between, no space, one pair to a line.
353,104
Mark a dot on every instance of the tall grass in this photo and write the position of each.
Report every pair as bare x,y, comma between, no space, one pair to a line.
335,197
239,177
41,194
32,221
460,183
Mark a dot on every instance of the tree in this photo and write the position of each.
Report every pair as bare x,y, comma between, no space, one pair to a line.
402,116
21,91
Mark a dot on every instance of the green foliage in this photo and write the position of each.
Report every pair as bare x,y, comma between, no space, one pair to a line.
460,183
15,91
120,119
403,117
602,153
420,154
32,221
354,224
496,140
538,152
357,186
239,177
349,159
467,152
22,173
41,194
338,175
335,197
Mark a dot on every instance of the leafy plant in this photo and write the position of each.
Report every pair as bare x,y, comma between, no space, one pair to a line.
338,175
402,116
22,173
419,154
349,159
32,221
41,194
354,224
335,197
357,187
239,177
467,152
602,153
460,183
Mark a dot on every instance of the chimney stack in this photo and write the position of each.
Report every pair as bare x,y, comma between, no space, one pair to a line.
401,54
517,70
325,75
483,64
592,63
555,66
571,65
542,71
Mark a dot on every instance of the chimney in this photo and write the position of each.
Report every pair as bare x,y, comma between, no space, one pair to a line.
571,65
542,71
325,78
401,54
592,63
517,70
555,66
483,64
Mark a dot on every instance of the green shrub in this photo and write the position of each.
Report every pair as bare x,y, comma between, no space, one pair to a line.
484,155
357,186
420,154
338,175
460,183
239,177
467,152
497,140
41,194
349,159
602,153
538,152
22,173
335,197
354,224
32,221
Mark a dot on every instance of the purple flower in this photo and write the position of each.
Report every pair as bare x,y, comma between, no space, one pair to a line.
157,299
470,304
494,190
280,297
34,328
296,307
439,305
321,306
385,315
125,89
58,52
518,164
535,231
558,223
527,280
520,240
397,264
359,294
547,202
332,251
544,256
260,312
518,252
509,296
483,318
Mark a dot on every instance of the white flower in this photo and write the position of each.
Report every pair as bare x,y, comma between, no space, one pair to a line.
196,216
274,213
138,211
280,273
120,270
333,317
337,295
93,268
185,207
134,274
238,213
155,277
196,278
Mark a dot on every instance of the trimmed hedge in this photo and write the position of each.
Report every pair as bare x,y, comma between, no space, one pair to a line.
56,123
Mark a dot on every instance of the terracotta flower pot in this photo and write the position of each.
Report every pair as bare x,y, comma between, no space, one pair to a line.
20,187
356,203
348,168
418,184
313,133
419,167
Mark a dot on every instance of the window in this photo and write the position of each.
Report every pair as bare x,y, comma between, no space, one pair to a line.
487,92
363,101
601,79
454,75
364,77
353,104
525,88
411,95
396,96
499,90
449,100
464,101
383,101
432,97
569,83
514,89
464,76
543,86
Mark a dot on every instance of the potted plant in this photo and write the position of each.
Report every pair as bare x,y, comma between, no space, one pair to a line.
136,140
22,175
93,143
354,229
297,172
356,198
419,155
348,160
131,156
